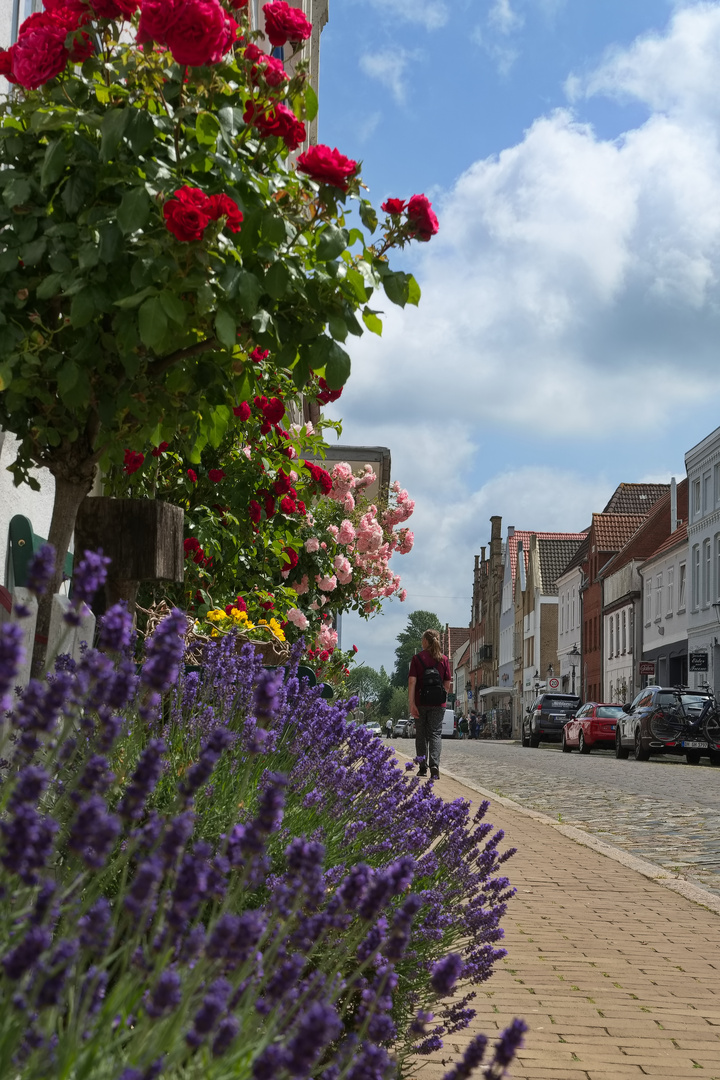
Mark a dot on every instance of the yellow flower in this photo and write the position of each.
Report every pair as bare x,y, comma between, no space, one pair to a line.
216,615
277,629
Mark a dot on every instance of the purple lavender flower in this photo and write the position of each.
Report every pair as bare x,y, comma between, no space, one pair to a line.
175,836
147,876
207,1016
506,1048
445,973
115,632
317,1027
144,779
59,966
372,1063
26,953
267,693
92,991
89,575
94,832
29,786
228,1030
95,928
210,753
165,650
270,1063
28,840
235,937
96,776
165,996
471,1059
41,569
12,655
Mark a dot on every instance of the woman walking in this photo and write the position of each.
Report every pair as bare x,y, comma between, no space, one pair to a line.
428,684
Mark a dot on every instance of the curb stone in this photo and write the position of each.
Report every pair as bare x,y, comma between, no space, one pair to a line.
676,883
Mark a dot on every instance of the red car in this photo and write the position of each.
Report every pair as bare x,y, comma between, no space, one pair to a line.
592,726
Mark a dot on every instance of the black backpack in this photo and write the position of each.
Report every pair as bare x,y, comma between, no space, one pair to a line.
432,691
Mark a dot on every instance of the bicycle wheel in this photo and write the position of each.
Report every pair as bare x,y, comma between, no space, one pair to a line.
711,730
667,725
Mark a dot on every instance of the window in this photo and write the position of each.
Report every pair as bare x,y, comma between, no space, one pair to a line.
562,614
717,484
572,610
624,631
707,572
648,600
682,575
611,651
670,590
617,634
707,491
658,597
695,583
696,499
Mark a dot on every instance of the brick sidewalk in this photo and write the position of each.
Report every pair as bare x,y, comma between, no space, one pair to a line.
615,975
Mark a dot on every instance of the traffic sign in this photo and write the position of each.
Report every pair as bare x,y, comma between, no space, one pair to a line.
554,684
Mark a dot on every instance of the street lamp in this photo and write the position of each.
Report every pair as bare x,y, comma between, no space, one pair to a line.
574,656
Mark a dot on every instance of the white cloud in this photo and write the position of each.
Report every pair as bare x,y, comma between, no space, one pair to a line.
432,14
388,66
573,293
503,18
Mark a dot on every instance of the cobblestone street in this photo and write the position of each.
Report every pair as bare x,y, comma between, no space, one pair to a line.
663,810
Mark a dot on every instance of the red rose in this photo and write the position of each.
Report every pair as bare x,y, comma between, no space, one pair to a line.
421,217
288,505
236,5
39,54
292,557
324,655
278,121
132,461
266,605
160,450
191,544
115,9
6,65
269,506
301,508
284,23
283,484
193,476
224,206
258,355
242,411
156,18
240,604
216,475
200,33
187,213
327,166
274,411
254,511
260,402
393,206
355,648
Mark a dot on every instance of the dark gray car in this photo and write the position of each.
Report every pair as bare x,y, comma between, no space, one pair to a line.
546,718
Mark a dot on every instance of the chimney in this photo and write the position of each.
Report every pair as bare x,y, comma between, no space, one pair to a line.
483,554
673,505
511,531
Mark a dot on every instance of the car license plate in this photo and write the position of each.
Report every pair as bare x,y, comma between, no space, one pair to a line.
695,744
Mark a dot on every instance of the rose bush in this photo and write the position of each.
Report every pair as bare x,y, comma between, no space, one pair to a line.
128,310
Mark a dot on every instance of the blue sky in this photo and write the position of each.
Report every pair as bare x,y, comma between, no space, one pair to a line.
569,333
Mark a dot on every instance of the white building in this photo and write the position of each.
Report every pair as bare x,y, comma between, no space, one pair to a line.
665,627
703,469
569,650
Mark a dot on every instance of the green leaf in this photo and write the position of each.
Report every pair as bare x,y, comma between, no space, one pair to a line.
8,261
225,328
127,302
207,129
372,322
113,127
142,131
152,322
277,280
111,240
357,281
397,287
311,103
53,165
249,290
82,309
17,191
5,377
67,377
332,243
368,216
134,210
76,189
414,291
337,367
173,306
338,327
48,287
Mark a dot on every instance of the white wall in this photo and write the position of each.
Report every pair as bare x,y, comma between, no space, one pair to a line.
703,469
569,627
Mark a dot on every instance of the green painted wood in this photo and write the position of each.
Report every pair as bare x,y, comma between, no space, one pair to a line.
23,545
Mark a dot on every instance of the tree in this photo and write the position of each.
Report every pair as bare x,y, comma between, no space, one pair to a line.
398,704
369,685
410,641
154,235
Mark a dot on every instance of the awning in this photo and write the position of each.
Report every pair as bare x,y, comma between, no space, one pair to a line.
494,690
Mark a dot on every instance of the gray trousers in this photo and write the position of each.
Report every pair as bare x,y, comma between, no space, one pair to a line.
428,735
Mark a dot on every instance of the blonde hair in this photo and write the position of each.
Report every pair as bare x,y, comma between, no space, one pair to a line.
431,641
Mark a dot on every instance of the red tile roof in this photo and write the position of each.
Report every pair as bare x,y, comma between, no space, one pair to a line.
653,531
611,532
453,637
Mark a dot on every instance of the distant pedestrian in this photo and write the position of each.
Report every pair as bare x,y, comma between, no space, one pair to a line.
428,685
388,729
464,728
474,726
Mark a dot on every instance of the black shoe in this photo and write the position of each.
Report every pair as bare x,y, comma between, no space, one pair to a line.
434,774
421,772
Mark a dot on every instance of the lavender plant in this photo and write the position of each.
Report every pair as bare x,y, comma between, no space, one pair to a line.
217,875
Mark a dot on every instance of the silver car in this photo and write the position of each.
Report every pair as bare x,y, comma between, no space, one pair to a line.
400,729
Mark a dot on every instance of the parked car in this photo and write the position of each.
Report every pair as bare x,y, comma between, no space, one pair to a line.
400,729
372,725
592,726
633,728
449,728
411,728
546,718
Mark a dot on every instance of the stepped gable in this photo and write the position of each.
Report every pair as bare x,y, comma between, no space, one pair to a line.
635,498
611,532
512,543
555,552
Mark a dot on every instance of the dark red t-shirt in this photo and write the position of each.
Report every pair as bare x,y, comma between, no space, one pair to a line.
417,668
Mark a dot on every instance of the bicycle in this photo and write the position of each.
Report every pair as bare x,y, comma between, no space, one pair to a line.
671,724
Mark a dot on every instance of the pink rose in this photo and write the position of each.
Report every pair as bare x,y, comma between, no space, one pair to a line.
296,617
347,533
326,583
285,23
312,545
403,596
421,217
327,166
201,33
